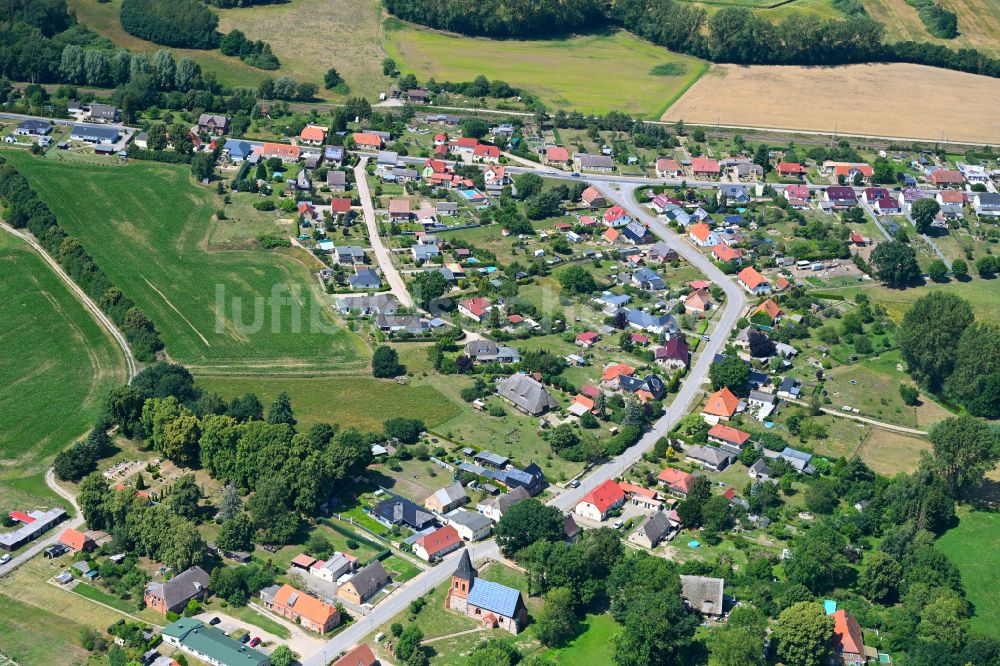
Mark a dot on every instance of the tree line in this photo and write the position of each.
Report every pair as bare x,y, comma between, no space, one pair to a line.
27,210
732,34
179,23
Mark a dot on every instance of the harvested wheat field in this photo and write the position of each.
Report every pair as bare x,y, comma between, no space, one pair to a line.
890,100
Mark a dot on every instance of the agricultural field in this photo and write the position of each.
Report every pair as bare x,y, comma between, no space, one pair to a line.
955,106
590,73
774,10
102,17
978,23
350,401
972,548
58,364
235,312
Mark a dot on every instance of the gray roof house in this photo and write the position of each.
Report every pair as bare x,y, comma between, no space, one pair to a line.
703,595
760,470
95,134
645,321
369,580
495,508
393,323
425,252
32,127
349,254
470,525
709,456
526,394
174,594
337,180
800,460
595,162
446,207
648,279
215,123
487,351
237,150
733,194
491,459
366,278
445,499
652,531
387,158
104,112
366,305
334,154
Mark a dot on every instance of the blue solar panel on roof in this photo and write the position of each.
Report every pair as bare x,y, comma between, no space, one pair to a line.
494,597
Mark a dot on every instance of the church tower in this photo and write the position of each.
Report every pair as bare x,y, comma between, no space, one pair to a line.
461,580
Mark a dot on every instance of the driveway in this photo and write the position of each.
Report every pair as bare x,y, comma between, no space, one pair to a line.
300,642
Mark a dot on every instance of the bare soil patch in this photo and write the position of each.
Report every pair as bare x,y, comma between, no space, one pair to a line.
891,100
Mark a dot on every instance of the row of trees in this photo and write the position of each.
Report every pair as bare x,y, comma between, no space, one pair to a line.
504,18
26,210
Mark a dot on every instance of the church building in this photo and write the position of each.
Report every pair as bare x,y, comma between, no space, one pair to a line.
493,605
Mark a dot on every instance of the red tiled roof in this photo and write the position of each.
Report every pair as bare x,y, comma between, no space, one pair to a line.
399,206
666,164
615,371
590,391
340,204
791,167
303,560
847,636
581,399
616,212
676,479
465,142
359,656
484,150
722,403
556,154
729,434
947,177
704,165
611,235
366,139
845,169
476,306
439,540
782,284
632,489
75,539
305,605
751,278
952,196
700,231
604,496
313,133
280,150
797,191
726,253
589,337
770,307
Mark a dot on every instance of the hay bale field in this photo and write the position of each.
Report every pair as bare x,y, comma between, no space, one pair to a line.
892,100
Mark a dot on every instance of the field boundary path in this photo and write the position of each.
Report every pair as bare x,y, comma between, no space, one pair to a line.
392,276
864,419
88,302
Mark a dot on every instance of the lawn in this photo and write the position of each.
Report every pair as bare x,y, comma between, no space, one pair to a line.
235,312
972,548
32,636
351,401
250,616
399,569
58,365
590,73
102,17
591,646
984,295
88,591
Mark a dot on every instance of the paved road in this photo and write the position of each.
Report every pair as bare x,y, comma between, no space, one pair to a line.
88,302
382,255
397,602
691,387
53,535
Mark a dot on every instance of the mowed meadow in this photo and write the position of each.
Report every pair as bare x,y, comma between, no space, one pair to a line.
597,73
58,364
230,311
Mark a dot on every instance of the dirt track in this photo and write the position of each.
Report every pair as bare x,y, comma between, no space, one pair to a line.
892,100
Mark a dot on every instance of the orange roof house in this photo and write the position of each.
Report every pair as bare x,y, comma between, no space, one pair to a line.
556,154
282,151
309,611
770,308
848,641
359,656
781,284
947,177
790,169
676,480
366,140
313,134
697,301
753,281
724,252
596,504
76,540
616,370
437,544
721,404
700,231
611,235
703,165
724,434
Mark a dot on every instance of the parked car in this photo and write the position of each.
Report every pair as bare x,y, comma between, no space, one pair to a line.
575,483
619,524
245,638
5,559
214,621
255,642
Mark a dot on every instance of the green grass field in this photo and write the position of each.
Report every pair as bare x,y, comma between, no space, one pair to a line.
20,637
102,17
984,295
361,402
591,646
58,365
234,311
972,547
590,73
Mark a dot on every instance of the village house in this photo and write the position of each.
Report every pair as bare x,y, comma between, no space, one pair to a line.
33,525
301,608
702,235
210,645
662,324
599,502
475,308
237,150
495,508
445,499
676,481
526,394
471,526
725,253
32,127
104,113
708,457
952,203
704,595
76,540
698,302
557,156
432,547
335,567
729,438
399,210
367,142
647,279
362,655
753,282
733,195
487,351
336,181
599,163
840,197
364,279
348,254
593,198
771,309
947,178
791,170
397,510
653,530
363,585
283,151
661,252
492,605
798,196
704,167
587,339
173,595
850,171
668,168
721,405
848,640
986,204
674,354
486,154
213,123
